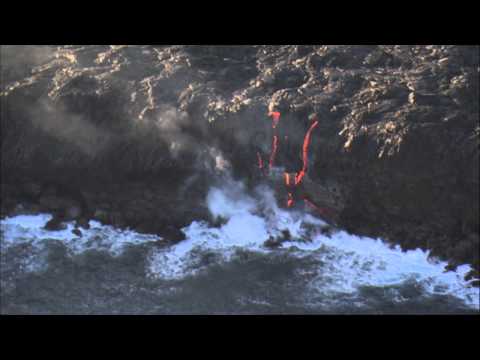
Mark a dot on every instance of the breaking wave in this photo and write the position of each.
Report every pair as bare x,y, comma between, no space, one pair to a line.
335,266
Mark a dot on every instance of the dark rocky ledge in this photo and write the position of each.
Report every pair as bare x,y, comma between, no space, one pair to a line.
131,135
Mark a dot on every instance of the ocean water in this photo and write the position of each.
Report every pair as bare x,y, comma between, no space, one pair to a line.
222,269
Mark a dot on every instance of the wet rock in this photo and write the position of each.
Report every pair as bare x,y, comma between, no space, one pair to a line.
475,283
286,236
77,232
275,242
172,234
327,230
272,242
55,224
218,222
83,223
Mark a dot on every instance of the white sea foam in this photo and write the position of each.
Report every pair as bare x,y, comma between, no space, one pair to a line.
347,261
30,229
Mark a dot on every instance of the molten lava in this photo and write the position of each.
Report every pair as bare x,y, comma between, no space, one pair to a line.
306,144
298,177
274,151
275,118
290,200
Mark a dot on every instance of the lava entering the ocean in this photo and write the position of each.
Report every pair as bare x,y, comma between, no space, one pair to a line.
290,200
298,177
292,181
306,144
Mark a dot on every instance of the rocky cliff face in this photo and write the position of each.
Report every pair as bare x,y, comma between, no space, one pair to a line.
134,135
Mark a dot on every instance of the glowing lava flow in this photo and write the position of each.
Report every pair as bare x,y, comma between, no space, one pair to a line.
306,144
290,195
275,118
298,176
301,174
290,200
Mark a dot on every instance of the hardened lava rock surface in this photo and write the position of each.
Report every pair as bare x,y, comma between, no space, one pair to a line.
134,135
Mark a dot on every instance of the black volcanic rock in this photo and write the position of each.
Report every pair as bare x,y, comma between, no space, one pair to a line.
55,224
135,132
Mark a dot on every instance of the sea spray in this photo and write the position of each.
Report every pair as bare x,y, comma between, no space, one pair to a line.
340,264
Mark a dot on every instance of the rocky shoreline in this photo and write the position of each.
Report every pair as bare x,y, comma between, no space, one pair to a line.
134,135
